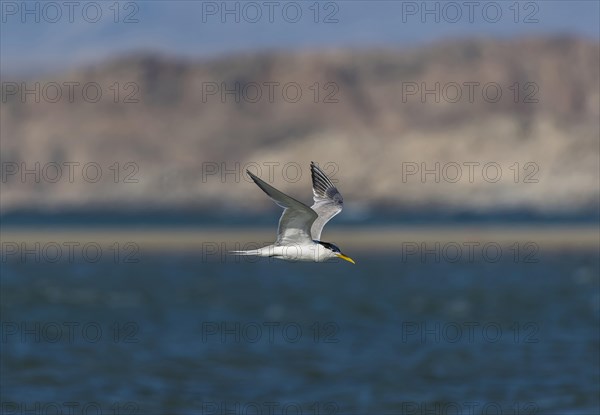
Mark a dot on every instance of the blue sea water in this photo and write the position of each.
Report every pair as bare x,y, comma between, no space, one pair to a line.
177,334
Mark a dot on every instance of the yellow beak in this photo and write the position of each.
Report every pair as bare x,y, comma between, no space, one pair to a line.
347,258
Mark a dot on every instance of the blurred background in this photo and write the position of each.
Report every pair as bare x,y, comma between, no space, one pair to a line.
464,137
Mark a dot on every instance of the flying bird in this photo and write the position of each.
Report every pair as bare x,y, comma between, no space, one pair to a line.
300,226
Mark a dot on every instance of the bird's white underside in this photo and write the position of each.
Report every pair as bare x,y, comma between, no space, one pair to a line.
313,252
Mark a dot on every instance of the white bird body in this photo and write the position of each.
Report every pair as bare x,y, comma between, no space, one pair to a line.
300,226
314,252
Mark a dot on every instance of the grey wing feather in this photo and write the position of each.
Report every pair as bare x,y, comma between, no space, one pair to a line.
297,218
328,200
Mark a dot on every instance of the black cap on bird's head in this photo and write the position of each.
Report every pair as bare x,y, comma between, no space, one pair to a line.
334,248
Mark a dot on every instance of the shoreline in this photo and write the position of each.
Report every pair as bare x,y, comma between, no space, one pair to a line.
372,238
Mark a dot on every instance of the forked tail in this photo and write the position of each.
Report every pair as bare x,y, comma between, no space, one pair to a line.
256,252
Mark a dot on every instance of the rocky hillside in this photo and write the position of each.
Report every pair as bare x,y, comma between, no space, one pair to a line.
164,130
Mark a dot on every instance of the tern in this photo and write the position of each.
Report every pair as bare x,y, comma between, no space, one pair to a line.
300,226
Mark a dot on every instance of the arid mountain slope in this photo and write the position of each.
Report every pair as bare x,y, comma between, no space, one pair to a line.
474,107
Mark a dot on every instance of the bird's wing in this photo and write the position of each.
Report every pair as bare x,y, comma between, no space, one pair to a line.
328,200
296,220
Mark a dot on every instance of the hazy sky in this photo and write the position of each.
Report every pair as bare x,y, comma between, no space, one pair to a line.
45,36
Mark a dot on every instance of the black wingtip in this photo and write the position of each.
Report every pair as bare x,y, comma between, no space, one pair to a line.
315,169
322,184
252,176
314,166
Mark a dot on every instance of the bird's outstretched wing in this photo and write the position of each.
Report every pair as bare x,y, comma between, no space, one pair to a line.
296,220
328,200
